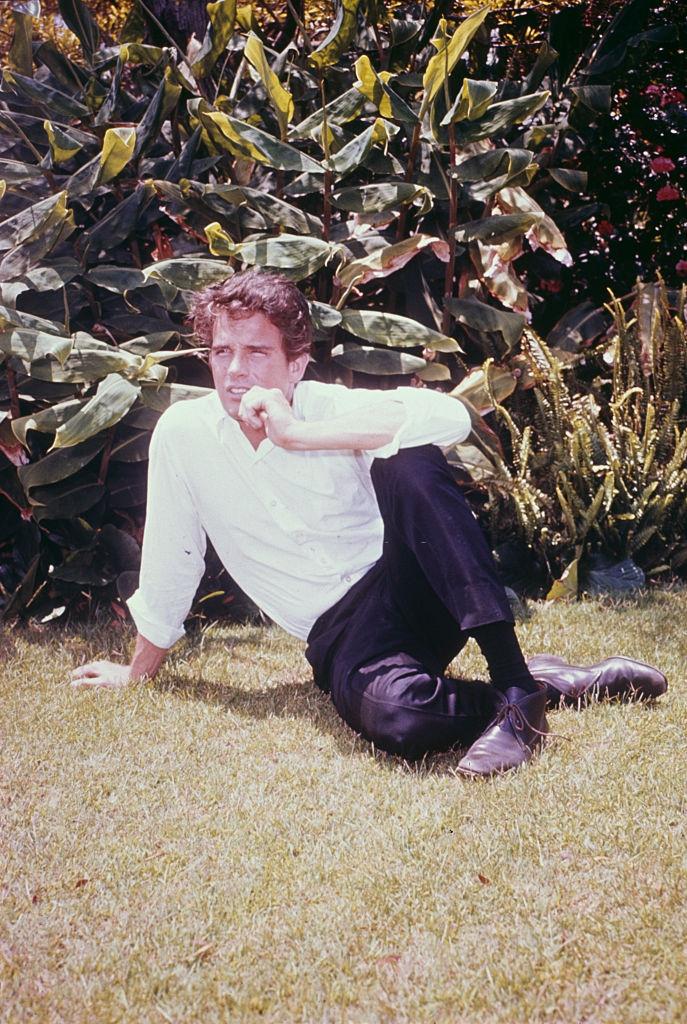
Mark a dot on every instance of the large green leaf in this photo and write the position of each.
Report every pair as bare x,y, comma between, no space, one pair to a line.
53,102
594,97
59,465
473,387
116,279
375,87
381,361
222,16
223,200
87,365
295,255
324,316
29,345
341,35
472,101
65,499
392,329
244,140
119,224
79,20
34,221
279,97
483,318
118,149
189,273
487,173
16,172
496,230
344,108
163,102
390,258
449,51
501,116
18,318
20,57
387,196
353,153
63,145
573,181
47,420
110,403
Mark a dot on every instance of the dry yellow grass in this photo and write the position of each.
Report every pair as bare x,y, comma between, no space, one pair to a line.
217,846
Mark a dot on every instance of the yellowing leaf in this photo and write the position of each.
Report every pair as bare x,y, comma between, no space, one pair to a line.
3,188
219,241
62,146
118,149
449,52
566,588
472,101
280,98
222,15
369,83
341,36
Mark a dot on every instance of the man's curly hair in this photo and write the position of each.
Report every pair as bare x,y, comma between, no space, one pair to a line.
256,291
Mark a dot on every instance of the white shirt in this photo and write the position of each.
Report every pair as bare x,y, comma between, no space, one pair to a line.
295,529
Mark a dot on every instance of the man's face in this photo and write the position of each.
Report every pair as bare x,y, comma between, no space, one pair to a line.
248,351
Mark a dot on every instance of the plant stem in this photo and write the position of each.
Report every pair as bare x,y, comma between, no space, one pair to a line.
449,277
15,411
105,459
410,170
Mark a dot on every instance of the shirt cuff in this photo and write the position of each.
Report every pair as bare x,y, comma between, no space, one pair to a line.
161,634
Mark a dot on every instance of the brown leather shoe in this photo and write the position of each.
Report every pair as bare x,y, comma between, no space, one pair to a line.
618,677
513,736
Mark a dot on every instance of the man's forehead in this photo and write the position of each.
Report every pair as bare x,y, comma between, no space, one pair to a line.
244,327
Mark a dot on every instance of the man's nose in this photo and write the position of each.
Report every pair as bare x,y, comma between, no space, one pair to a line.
236,365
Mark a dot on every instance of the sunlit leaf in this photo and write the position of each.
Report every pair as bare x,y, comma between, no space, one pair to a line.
472,101
279,97
483,318
449,51
567,587
500,116
387,196
339,111
366,359
222,15
388,259
392,329
59,465
244,140
53,102
110,403
497,229
375,87
118,149
63,146
341,35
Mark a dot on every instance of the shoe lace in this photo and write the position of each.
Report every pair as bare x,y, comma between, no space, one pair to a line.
514,714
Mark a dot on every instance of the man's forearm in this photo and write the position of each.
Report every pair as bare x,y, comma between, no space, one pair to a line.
363,430
147,659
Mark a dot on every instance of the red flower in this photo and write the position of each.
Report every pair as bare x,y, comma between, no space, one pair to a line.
653,90
681,268
667,194
672,96
662,165
605,228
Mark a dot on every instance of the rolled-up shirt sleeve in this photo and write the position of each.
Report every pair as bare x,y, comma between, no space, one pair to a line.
430,418
173,555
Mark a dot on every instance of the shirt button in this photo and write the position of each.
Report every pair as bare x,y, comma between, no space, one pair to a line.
347,579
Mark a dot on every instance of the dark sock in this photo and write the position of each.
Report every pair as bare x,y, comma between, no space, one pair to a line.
499,645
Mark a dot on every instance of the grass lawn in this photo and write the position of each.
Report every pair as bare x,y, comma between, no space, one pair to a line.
217,846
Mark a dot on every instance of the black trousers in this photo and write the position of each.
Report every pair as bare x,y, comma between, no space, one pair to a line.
383,648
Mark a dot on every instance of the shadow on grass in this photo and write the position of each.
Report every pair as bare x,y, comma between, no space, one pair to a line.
300,698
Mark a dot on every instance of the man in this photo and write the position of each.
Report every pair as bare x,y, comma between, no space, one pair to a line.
335,510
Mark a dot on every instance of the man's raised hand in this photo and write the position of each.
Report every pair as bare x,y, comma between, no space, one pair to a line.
269,410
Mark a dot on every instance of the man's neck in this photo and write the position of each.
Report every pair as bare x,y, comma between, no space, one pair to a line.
253,435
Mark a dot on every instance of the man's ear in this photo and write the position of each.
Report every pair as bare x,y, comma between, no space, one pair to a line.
297,367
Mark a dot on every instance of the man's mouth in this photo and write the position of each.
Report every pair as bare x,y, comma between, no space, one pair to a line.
236,392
